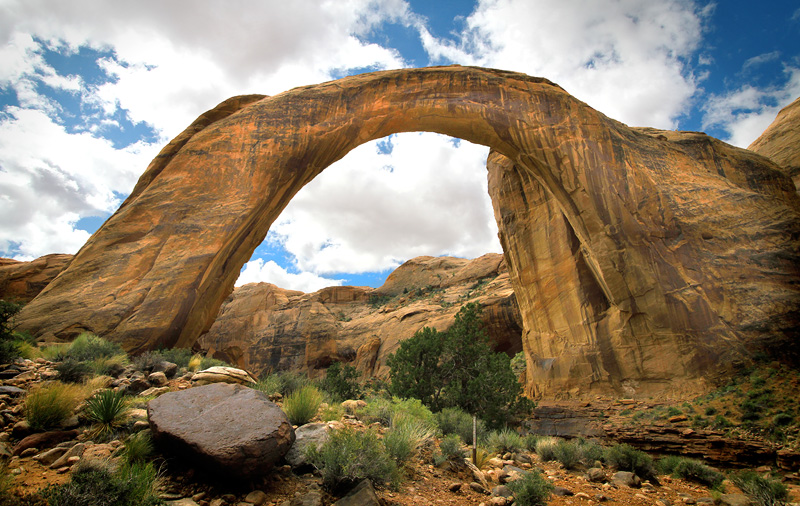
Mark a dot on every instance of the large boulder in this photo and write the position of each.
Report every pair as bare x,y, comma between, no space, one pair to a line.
306,435
221,374
228,428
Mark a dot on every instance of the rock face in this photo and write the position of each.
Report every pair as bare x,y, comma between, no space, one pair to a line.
229,428
627,248
780,142
264,328
22,281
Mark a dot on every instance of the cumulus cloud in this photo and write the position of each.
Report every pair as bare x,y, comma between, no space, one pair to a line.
388,201
258,270
747,111
627,59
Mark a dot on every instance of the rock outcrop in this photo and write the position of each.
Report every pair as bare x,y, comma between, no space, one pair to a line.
780,142
641,244
22,281
228,428
265,328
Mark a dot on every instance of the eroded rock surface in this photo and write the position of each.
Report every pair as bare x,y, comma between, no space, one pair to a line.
22,281
228,428
780,142
265,328
639,244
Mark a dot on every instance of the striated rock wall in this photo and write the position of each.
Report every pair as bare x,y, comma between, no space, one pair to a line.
780,142
265,328
22,281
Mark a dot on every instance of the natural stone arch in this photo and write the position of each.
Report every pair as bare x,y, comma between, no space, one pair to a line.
157,271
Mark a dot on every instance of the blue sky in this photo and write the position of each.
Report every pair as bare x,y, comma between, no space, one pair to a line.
91,90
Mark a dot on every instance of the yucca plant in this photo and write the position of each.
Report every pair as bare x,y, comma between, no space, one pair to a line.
482,458
106,410
302,405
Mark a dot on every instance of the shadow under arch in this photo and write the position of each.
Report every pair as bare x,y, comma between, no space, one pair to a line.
155,274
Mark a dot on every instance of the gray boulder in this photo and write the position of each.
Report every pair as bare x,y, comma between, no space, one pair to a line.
308,434
228,428
626,479
362,495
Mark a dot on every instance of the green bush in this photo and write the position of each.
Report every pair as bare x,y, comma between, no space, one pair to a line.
291,381
782,419
109,366
764,491
626,458
450,446
331,412
95,483
407,435
270,384
696,471
532,489
457,421
48,405
383,411
590,451
106,410
505,440
302,405
72,371
87,347
568,453
349,456
138,447
341,382
546,448
668,463
8,349
530,441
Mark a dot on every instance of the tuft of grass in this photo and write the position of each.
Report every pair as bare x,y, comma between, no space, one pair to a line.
590,451
626,458
138,447
97,483
48,405
530,441
107,411
407,435
349,456
270,385
532,489
111,365
302,405
764,491
506,440
195,362
331,412
482,458
546,448
73,371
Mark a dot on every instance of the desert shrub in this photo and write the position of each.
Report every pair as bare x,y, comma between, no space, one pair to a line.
138,447
111,366
48,405
590,451
626,458
457,421
696,471
87,347
406,436
106,410
73,371
668,463
55,352
178,356
270,384
302,405
291,381
505,440
530,441
764,491
450,446
383,411
546,448
710,411
782,419
567,453
349,456
96,483
532,489
331,412
341,382
673,411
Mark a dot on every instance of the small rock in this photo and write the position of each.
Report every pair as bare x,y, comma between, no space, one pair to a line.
182,502
29,452
600,498
663,502
362,495
595,475
498,501
477,487
12,391
45,440
735,500
256,497
154,391
502,491
168,368
454,487
626,479
678,418
21,429
563,492
75,451
157,379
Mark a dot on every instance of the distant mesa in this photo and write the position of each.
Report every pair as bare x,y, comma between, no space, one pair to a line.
642,261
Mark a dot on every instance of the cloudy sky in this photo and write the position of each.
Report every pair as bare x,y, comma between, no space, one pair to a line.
91,90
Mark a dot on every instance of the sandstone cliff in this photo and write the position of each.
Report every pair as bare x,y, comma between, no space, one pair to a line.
780,142
22,281
265,328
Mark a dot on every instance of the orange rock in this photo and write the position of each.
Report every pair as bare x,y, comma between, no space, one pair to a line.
22,281
780,141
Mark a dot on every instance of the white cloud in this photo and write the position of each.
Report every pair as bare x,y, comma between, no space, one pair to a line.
371,211
257,271
624,58
747,111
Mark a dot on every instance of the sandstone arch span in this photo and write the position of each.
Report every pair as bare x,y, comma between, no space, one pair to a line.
639,257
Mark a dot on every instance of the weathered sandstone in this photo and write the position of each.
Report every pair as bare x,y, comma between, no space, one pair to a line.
22,281
780,142
647,244
265,328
